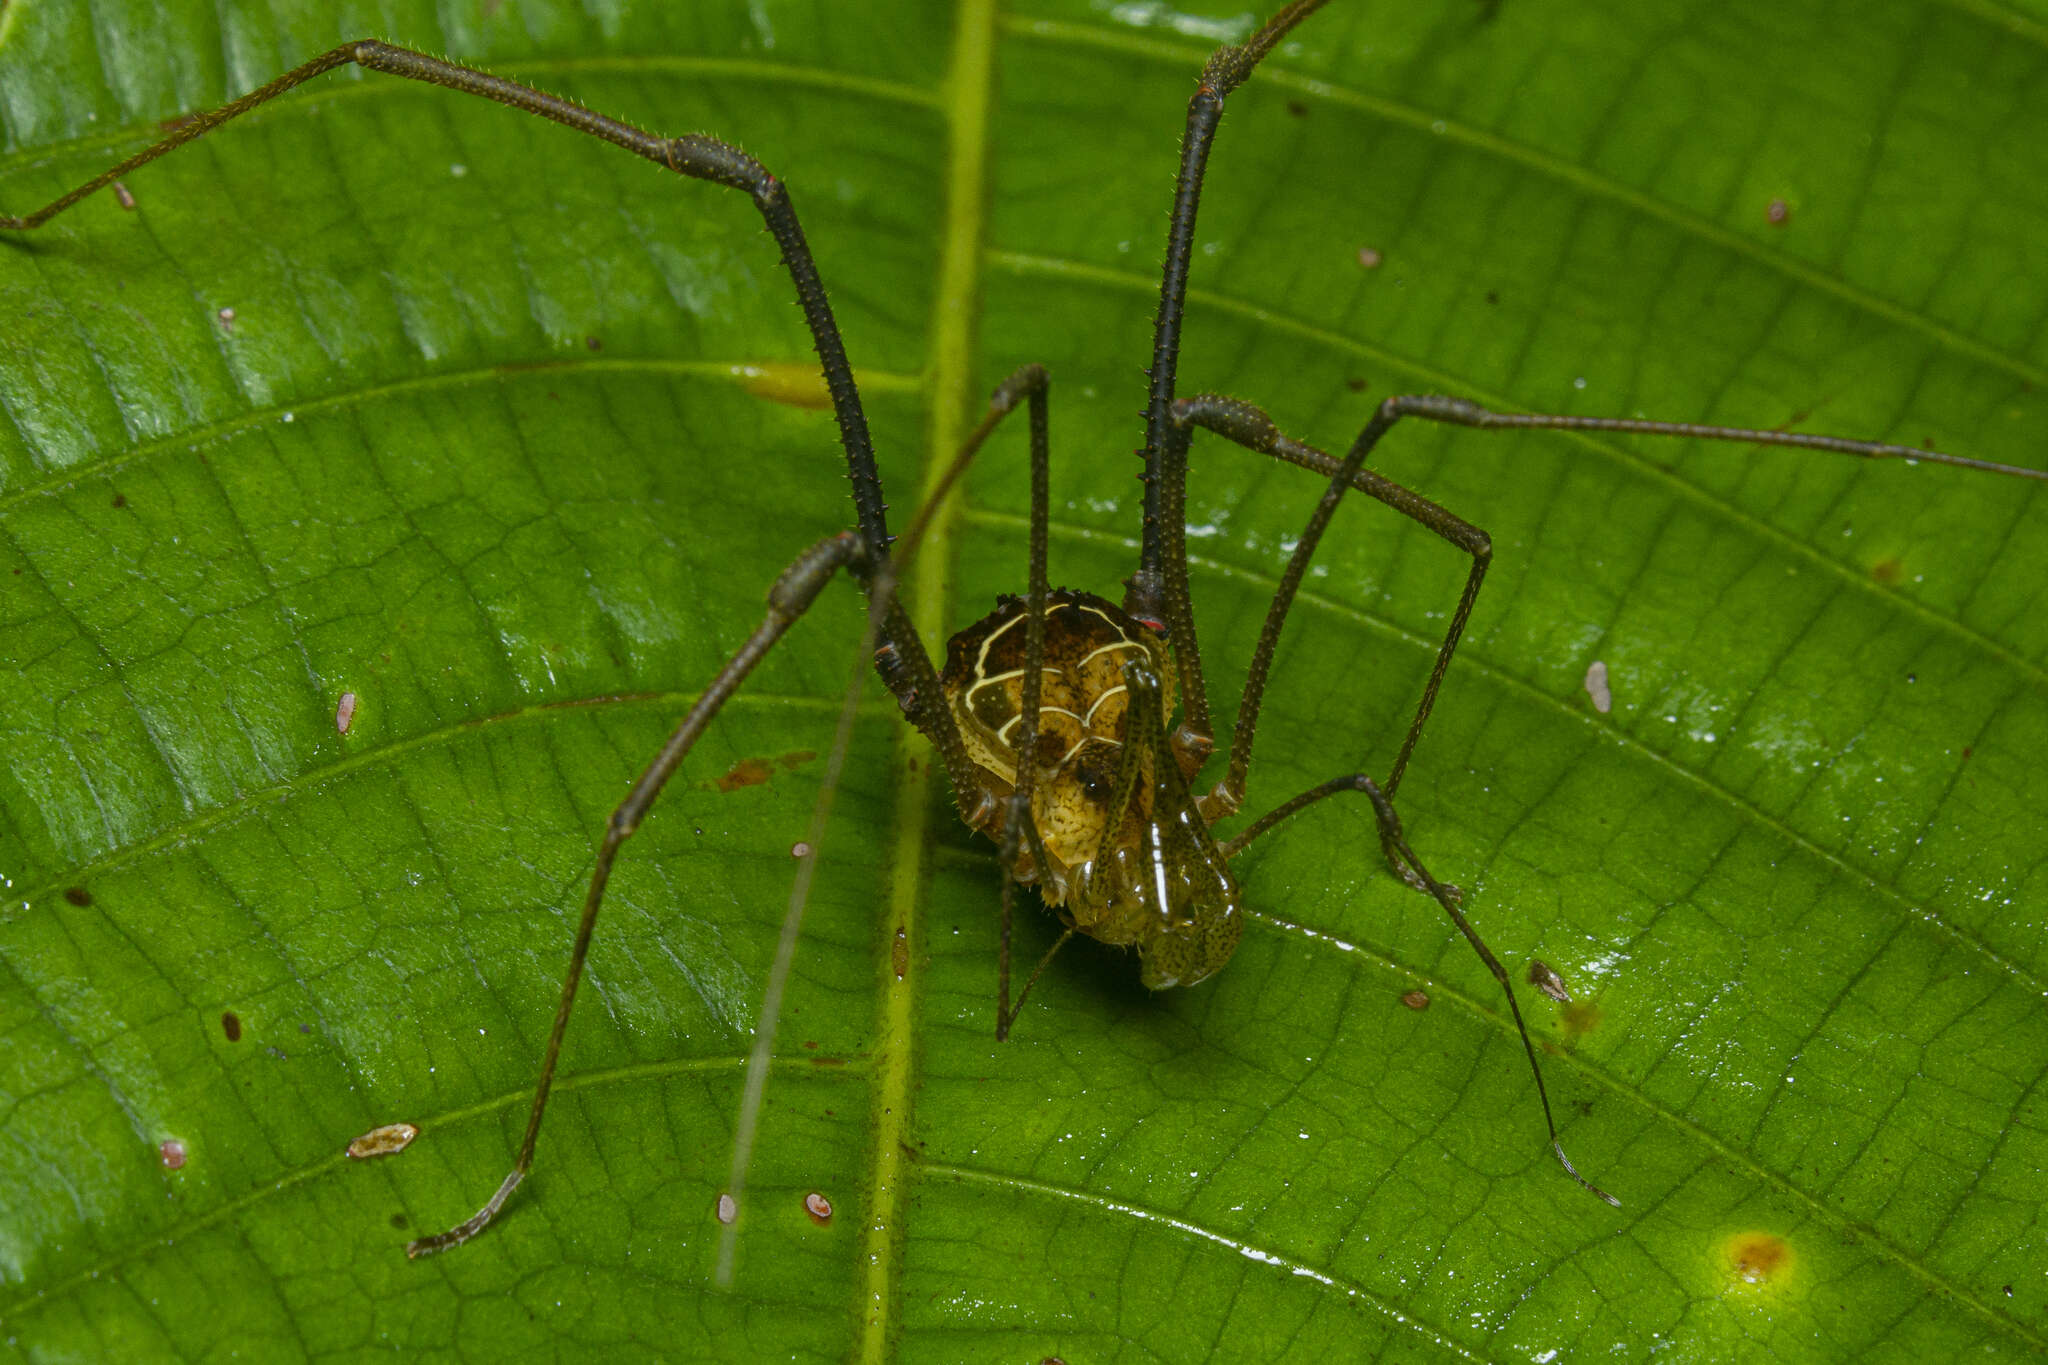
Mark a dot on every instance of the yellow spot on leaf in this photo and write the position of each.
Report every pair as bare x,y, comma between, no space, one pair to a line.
1579,1018
800,386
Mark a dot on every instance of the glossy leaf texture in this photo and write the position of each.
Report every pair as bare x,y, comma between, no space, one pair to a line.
390,394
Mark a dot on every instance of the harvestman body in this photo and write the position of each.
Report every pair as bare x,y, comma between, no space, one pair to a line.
1074,729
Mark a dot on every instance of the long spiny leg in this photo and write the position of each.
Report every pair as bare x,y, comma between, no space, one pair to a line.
882,606
1392,838
899,656
1028,385
1019,826
902,661
1251,428
791,596
1157,592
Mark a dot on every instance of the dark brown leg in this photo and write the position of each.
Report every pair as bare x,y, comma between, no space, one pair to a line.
1396,843
907,669
791,596
1251,428
1029,384
1157,592
1019,827
882,605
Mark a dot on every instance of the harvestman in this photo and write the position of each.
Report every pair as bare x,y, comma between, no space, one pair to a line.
1109,701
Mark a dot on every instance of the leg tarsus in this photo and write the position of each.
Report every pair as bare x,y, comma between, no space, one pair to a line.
792,594
1395,841
1008,1018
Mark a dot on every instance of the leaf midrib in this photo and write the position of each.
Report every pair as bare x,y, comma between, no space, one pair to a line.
967,94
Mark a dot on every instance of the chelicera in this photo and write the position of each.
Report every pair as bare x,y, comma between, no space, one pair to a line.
1075,730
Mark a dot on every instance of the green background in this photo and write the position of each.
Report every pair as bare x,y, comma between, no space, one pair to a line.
472,447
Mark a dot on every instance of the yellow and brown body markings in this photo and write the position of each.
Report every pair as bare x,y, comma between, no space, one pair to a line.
1128,857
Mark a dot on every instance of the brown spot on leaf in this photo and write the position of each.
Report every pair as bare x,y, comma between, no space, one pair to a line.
1758,1257
1416,1000
1888,571
748,772
752,772
384,1141
78,896
231,1025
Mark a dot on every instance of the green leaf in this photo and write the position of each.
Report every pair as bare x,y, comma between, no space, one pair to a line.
391,393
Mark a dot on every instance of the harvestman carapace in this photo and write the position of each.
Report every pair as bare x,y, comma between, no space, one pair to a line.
1074,729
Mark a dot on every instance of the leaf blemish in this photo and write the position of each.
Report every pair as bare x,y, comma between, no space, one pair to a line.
1544,978
1596,687
231,1025
799,386
386,1140
748,772
752,772
1758,1257
78,896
